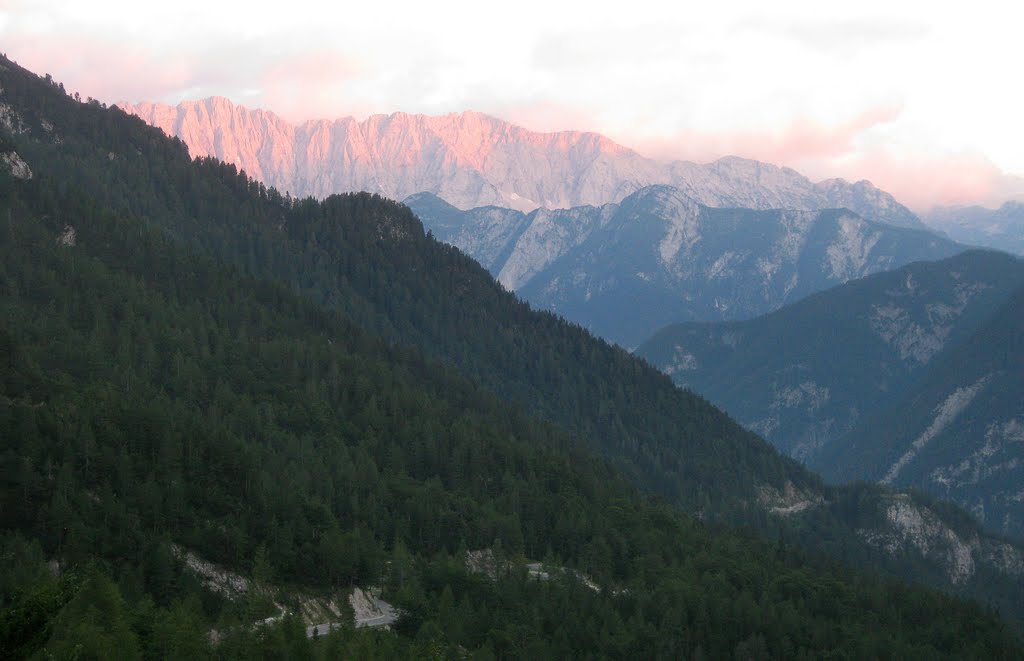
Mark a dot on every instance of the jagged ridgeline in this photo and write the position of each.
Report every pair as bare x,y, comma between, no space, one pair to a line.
154,395
471,159
659,257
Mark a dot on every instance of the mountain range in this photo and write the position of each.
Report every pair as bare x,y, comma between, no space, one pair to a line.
1002,228
319,393
470,160
907,377
625,270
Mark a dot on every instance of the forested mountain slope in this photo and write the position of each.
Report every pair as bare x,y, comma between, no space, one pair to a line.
152,398
370,260
838,380
806,374
959,432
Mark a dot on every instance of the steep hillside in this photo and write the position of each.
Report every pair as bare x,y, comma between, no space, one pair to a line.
625,270
858,380
959,432
807,373
472,160
488,234
370,260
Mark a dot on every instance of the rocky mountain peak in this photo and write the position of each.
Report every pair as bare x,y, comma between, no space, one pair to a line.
472,159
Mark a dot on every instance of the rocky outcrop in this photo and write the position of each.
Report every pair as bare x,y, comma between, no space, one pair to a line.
910,526
68,238
788,501
369,610
321,613
13,163
945,413
11,120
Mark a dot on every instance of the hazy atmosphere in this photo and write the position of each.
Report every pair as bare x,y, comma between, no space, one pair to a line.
919,99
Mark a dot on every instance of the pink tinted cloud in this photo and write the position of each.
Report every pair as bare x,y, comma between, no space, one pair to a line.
310,86
297,87
101,69
921,181
314,85
918,180
800,141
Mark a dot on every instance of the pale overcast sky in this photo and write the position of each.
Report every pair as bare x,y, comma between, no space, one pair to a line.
924,99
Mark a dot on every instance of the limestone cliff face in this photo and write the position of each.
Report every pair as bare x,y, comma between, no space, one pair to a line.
660,257
470,160
912,527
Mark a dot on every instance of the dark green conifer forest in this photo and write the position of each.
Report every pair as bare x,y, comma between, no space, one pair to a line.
317,395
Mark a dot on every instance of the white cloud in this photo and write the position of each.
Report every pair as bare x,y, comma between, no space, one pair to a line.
765,78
